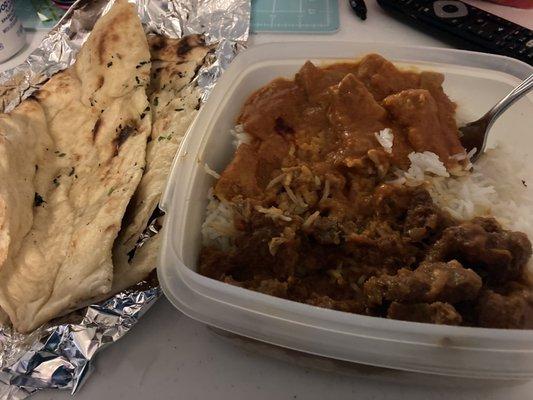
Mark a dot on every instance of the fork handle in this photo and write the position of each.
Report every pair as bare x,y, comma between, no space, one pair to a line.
510,99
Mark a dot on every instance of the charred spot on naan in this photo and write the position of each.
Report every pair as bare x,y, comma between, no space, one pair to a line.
38,200
171,77
110,37
110,228
175,50
62,84
101,81
188,43
175,65
96,128
123,133
144,113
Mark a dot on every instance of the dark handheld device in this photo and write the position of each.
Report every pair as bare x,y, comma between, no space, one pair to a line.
465,26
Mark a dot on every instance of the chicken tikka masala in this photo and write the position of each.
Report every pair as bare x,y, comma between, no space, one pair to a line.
319,219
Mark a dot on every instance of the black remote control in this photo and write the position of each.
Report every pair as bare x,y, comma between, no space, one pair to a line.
465,26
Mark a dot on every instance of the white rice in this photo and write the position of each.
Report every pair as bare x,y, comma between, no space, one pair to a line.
209,171
218,229
496,186
385,138
240,136
274,213
425,163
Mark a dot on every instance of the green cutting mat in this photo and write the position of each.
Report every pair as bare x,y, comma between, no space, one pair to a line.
295,16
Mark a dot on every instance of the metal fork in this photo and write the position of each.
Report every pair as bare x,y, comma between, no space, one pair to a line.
474,134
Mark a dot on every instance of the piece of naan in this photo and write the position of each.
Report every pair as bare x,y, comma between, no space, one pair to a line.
86,162
23,138
174,101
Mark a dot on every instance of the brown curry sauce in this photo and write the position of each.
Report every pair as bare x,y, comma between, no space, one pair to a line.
317,224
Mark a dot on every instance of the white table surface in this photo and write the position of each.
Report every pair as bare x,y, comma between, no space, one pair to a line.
170,356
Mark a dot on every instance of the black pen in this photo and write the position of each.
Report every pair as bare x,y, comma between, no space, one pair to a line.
359,8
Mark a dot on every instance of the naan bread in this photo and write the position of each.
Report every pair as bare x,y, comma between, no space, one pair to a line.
97,123
174,102
21,148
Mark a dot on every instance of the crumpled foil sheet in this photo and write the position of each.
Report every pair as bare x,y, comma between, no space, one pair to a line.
224,23
58,355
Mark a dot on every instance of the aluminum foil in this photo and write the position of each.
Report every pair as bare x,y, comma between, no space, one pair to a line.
58,355
224,23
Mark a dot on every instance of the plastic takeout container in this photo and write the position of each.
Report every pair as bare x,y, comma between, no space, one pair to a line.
475,81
